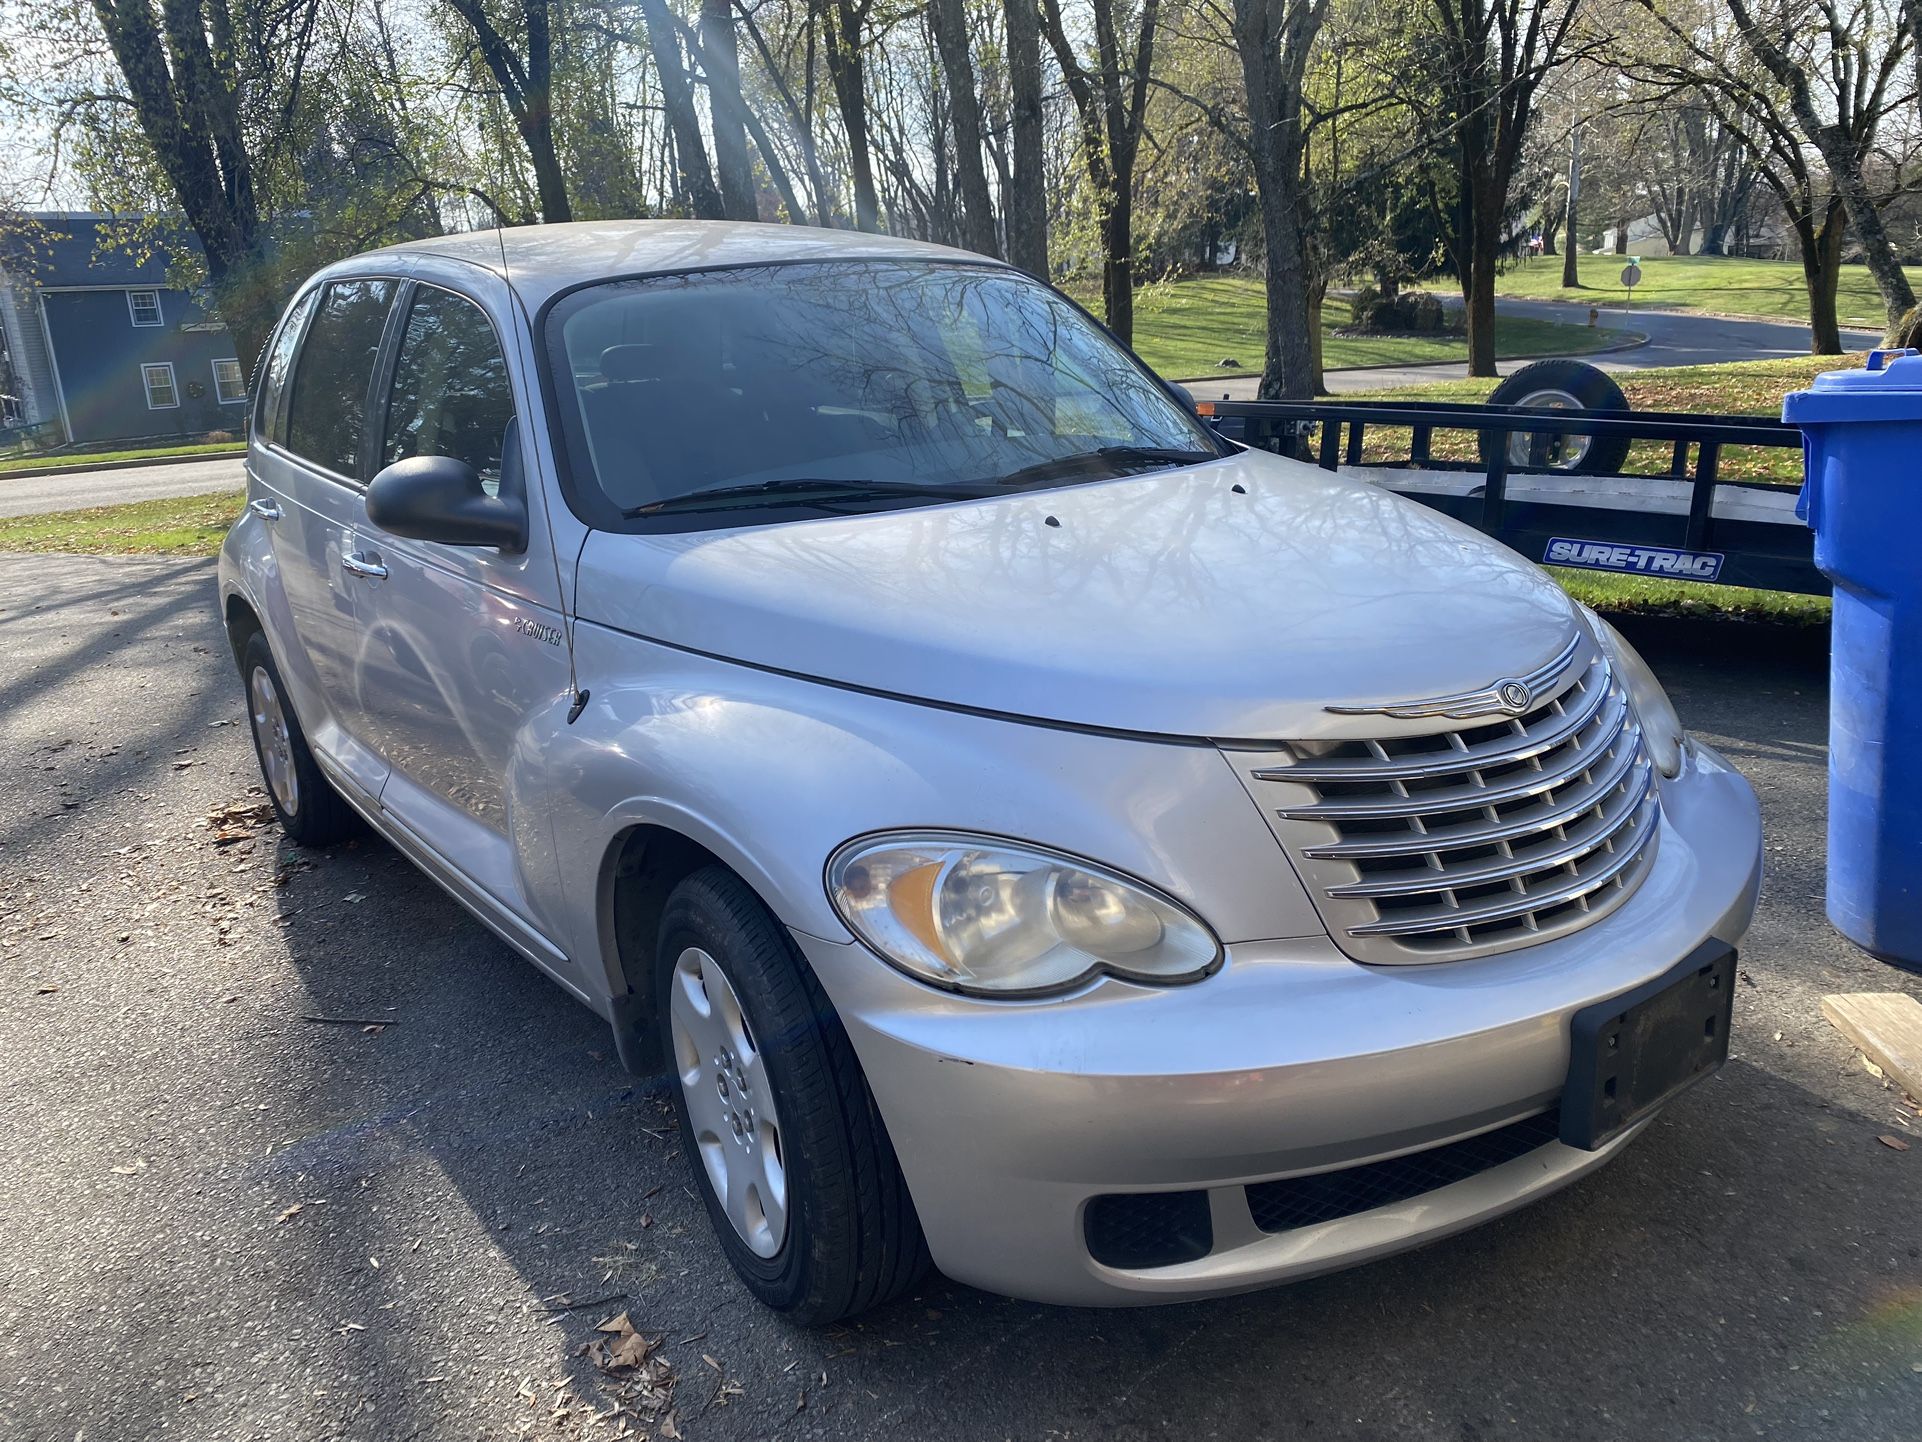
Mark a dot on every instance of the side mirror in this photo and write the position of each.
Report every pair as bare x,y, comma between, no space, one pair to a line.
439,498
1185,396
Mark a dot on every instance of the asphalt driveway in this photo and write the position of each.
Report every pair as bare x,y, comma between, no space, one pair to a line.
291,1148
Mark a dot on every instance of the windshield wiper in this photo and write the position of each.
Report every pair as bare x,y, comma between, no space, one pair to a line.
803,488
1111,460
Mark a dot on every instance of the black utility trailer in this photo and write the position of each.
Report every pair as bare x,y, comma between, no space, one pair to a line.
1682,524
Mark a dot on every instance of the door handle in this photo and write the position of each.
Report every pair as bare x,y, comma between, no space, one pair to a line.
355,564
269,510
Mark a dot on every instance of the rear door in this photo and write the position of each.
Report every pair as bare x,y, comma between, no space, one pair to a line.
309,471
463,659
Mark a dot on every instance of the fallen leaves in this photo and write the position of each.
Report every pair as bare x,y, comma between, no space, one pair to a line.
641,1379
1894,1144
238,821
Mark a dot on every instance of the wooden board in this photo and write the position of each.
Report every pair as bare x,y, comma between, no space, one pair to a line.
1887,1026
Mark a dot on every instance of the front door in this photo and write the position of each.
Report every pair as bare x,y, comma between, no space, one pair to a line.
463,647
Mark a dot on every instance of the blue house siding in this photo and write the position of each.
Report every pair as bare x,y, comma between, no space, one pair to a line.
98,353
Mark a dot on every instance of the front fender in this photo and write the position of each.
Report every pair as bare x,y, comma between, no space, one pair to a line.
772,773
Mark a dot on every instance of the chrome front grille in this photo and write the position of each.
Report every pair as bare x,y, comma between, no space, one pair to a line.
1439,845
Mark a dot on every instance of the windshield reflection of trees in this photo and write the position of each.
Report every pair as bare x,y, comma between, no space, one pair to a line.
849,371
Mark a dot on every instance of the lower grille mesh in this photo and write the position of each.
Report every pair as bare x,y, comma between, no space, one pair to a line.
1303,1201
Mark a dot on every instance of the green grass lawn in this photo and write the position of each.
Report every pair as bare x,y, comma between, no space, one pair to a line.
181,526
43,461
1726,285
1186,328
1745,388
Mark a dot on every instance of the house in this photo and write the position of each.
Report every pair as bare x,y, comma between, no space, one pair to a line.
96,345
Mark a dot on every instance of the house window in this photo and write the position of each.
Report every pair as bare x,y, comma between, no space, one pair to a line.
145,306
159,380
230,386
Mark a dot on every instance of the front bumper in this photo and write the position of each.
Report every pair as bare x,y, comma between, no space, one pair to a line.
1011,1118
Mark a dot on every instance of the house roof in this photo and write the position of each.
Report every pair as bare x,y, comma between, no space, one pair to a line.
66,248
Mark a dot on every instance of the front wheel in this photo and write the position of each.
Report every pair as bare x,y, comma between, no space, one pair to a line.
794,1164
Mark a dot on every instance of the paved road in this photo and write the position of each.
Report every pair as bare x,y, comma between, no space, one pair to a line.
1748,1268
1675,338
25,495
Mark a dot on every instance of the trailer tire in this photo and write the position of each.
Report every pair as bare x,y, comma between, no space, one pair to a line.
1559,385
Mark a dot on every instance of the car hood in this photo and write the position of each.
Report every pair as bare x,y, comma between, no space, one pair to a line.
1232,600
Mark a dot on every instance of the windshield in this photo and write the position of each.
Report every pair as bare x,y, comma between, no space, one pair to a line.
803,384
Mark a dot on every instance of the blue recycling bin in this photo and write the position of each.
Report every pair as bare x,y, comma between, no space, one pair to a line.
1862,453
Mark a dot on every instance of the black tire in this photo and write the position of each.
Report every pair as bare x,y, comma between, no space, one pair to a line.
1590,388
852,1240
311,812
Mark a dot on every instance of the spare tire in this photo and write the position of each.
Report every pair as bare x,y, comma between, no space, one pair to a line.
1559,385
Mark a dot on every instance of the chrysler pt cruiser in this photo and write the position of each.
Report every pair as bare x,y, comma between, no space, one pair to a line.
1025,831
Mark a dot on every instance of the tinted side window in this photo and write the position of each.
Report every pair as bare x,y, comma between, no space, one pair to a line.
451,396
273,376
326,417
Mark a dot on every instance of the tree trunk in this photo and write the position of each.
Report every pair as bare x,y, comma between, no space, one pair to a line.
1117,260
1478,290
1821,270
1621,237
194,130
950,21
1272,55
849,76
1878,251
1026,203
1571,248
677,99
721,59
1551,223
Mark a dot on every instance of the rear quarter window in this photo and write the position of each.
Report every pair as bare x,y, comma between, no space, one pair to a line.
277,361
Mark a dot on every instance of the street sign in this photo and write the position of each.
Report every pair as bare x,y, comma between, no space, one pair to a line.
1632,274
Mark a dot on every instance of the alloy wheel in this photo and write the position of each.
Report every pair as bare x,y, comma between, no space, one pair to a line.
276,744
730,1103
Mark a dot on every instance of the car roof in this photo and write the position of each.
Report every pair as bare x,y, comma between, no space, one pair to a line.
541,260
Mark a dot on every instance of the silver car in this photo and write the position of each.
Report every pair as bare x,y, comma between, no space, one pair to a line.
1034,835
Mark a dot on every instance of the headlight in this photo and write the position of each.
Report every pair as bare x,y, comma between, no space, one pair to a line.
1661,727
990,917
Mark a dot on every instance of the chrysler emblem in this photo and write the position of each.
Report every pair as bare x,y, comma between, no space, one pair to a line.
1510,696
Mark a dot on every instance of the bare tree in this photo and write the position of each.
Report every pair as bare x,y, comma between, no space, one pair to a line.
1691,55
1853,55
182,66
845,26
1496,55
1111,103
1274,38
526,79
721,62
949,20
1025,199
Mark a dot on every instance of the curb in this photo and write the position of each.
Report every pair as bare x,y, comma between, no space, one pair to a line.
81,466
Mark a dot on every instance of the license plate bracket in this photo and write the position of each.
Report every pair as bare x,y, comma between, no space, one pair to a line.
1632,1053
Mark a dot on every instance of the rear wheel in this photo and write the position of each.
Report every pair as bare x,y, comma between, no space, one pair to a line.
310,811
786,1144
1560,385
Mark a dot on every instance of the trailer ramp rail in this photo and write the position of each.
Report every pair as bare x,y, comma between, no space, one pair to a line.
1681,524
